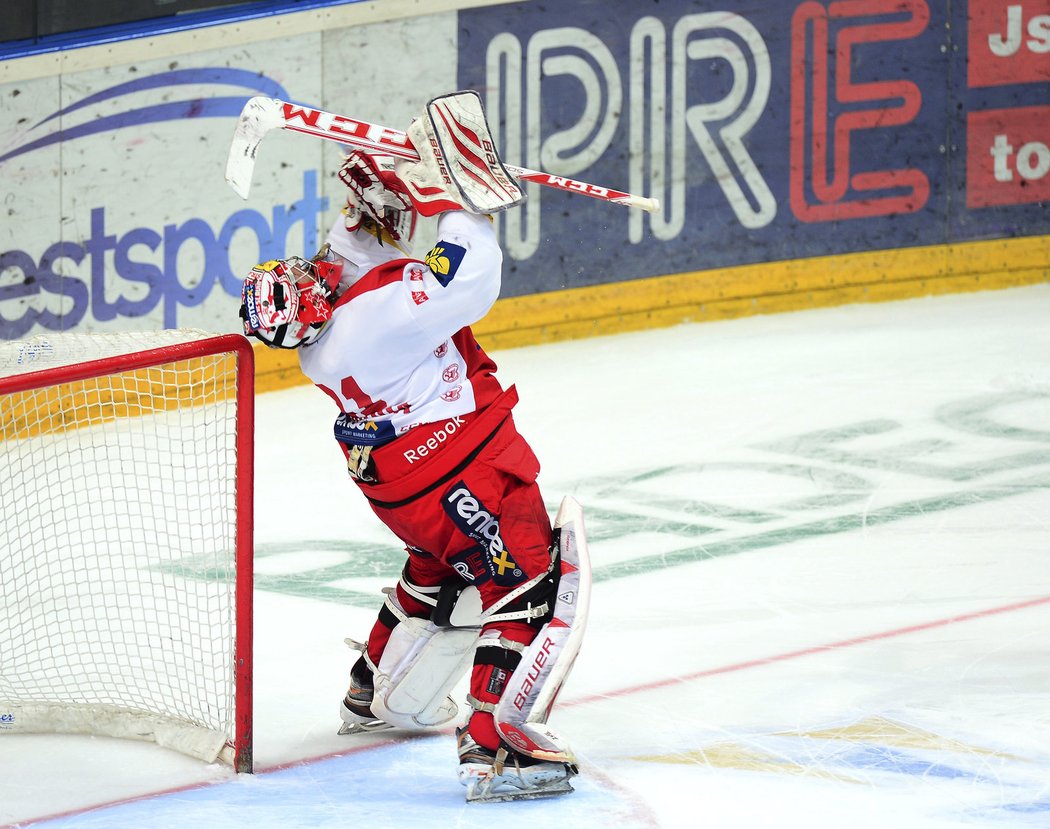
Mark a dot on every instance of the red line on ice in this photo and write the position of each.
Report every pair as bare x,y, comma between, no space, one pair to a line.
622,692
783,657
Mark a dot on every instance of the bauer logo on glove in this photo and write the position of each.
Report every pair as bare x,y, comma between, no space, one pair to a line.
285,303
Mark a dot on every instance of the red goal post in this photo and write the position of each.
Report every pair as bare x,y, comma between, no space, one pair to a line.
126,472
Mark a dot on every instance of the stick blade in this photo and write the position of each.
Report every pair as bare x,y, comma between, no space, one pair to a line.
259,116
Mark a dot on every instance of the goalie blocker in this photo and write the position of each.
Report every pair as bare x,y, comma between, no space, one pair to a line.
424,659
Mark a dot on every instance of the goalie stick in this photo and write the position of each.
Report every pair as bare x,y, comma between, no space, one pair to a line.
262,115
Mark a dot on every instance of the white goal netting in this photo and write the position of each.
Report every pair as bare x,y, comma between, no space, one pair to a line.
117,491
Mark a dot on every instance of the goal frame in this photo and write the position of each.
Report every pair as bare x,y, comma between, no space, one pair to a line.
242,760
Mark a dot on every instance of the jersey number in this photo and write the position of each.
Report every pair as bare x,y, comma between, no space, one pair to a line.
369,407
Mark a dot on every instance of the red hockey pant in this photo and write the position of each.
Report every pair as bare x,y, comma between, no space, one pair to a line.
471,512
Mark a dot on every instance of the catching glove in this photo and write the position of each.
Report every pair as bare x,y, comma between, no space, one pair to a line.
377,193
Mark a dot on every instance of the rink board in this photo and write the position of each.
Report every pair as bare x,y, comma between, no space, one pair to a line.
776,168
727,293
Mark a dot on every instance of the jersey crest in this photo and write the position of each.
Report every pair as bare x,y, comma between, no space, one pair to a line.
444,260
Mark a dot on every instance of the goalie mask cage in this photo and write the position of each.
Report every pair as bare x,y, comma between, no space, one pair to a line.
126,504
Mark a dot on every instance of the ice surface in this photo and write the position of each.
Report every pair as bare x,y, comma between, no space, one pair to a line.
821,547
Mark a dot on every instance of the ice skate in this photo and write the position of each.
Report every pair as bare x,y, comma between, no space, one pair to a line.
493,776
355,710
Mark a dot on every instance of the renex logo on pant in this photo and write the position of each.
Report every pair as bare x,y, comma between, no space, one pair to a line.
475,521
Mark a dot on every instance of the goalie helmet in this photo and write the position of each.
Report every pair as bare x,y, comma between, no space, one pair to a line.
286,302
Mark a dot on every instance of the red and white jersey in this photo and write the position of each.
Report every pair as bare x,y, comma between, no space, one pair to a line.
398,351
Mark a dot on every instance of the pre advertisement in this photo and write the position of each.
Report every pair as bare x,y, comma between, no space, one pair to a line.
768,131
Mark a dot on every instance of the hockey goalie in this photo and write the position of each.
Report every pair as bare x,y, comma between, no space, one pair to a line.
489,587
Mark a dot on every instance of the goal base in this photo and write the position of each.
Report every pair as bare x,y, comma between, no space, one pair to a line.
114,721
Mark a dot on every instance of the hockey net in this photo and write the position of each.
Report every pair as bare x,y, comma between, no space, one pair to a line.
126,496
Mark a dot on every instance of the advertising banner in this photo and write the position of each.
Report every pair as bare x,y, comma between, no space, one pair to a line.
116,214
770,132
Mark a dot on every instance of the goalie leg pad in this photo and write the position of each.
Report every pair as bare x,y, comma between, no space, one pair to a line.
419,667
521,715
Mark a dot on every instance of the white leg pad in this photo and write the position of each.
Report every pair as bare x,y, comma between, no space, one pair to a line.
521,714
419,667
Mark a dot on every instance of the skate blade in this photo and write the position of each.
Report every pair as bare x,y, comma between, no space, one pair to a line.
482,793
363,727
